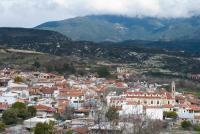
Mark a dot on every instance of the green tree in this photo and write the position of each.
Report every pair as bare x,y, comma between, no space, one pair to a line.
32,111
44,128
18,105
103,72
50,68
18,79
170,114
9,117
112,114
36,64
21,110
66,66
186,124
22,113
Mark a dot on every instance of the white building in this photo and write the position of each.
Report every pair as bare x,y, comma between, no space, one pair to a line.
122,70
44,84
131,109
17,86
154,113
31,123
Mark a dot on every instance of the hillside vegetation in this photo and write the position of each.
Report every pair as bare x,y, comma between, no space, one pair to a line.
120,28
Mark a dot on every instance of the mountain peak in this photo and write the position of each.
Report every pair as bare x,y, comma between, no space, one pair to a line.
119,28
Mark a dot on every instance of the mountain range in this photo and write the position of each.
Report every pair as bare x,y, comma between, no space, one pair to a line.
115,28
176,56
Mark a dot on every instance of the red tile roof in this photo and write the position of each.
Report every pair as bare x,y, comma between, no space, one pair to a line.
71,92
152,106
47,90
44,108
82,110
194,107
167,106
81,130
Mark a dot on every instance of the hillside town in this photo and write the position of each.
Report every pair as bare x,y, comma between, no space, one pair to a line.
89,104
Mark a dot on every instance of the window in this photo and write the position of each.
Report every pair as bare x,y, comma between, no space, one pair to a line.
151,102
158,102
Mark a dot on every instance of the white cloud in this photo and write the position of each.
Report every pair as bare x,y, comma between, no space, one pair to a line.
28,13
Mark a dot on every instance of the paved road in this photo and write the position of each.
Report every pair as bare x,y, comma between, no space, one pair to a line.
18,129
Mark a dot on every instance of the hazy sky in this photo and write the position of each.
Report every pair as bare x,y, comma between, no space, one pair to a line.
29,13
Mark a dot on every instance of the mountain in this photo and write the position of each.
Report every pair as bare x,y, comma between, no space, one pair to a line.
28,35
119,28
174,57
32,39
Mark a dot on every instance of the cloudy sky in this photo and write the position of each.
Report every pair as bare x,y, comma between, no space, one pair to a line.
29,13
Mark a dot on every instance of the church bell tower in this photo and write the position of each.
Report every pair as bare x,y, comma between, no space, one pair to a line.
173,86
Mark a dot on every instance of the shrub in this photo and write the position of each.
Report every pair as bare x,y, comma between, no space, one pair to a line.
18,79
32,111
2,126
103,72
9,117
196,127
18,105
44,128
186,124
170,114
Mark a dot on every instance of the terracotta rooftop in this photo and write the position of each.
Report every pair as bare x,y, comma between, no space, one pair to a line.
81,130
47,90
167,106
152,106
74,93
44,108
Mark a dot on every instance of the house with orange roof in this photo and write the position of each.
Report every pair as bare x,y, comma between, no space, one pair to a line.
44,111
151,98
60,82
46,76
75,97
47,92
